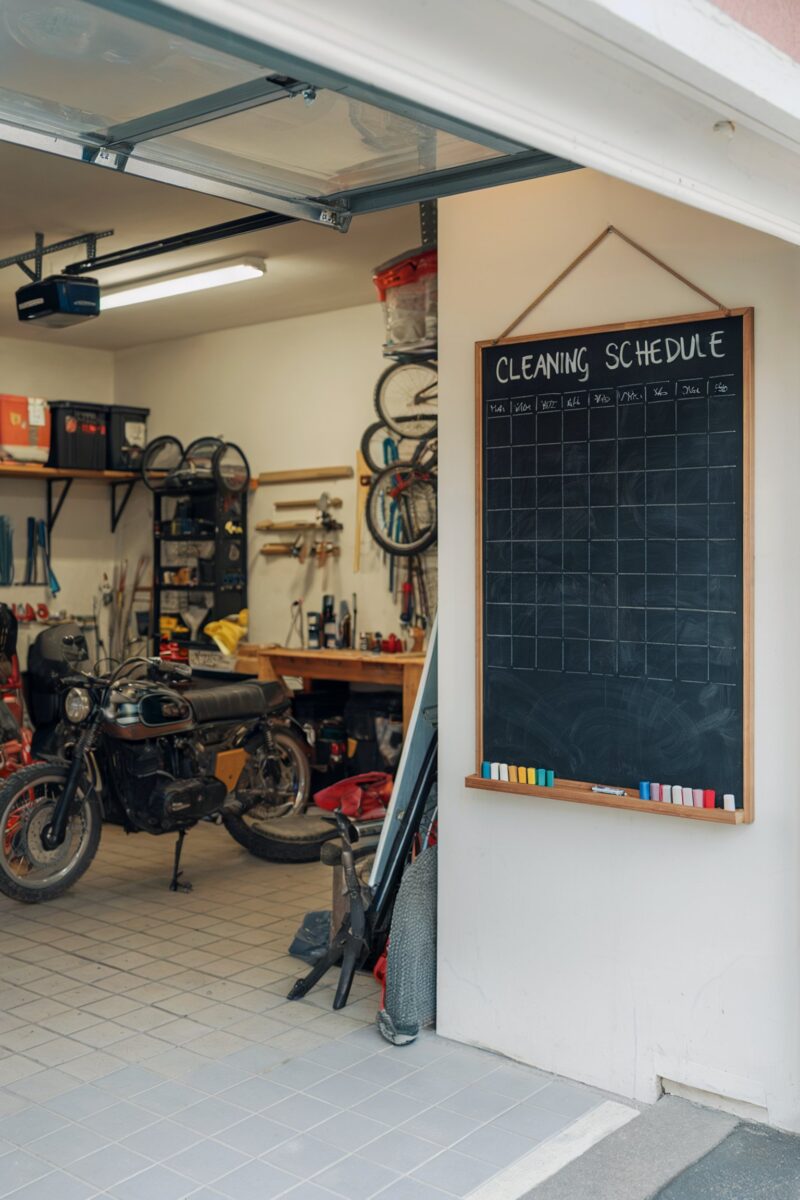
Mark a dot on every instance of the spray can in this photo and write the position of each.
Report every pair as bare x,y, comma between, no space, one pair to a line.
314,630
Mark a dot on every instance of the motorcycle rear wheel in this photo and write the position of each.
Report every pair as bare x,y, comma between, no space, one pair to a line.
28,872
283,837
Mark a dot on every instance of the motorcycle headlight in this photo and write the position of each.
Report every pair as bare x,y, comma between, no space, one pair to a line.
77,705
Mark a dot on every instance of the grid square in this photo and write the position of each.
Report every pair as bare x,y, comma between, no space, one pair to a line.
524,620
576,621
576,655
660,661
548,654
603,657
692,663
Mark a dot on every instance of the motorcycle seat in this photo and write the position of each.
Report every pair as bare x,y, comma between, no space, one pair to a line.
235,700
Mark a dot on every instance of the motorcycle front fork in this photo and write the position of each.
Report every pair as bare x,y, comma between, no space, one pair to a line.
53,834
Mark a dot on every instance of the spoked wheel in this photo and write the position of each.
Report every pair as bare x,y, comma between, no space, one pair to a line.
277,828
381,445
28,871
401,509
407,398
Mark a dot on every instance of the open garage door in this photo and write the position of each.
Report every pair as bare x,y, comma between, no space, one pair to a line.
129,91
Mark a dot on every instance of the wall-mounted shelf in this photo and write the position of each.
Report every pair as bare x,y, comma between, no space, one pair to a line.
63,475
581,793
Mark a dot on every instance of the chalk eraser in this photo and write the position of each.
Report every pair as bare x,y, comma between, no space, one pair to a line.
729,802
677,794
655,791
697,796
541,777
688,797
644,791
709,798
504,772
495,771
550,778
486,770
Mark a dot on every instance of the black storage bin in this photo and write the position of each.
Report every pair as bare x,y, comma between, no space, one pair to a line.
78,435
127,437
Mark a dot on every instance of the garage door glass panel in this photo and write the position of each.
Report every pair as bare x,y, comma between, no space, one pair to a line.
332,144
67,66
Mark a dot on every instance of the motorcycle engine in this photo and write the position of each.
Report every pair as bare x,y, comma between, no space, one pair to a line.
164,791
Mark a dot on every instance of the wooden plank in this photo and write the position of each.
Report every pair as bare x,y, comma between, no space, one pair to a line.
353,671
272,549
575,794
363,481
287,526
333,502
304,474
412,673
15,470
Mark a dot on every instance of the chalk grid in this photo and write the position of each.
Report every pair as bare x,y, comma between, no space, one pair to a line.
609,515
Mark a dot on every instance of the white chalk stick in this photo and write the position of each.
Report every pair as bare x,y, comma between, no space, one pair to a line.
697,796
677,794
729,802
504,772
494,771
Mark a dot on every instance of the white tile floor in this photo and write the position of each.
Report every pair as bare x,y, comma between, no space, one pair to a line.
147,1051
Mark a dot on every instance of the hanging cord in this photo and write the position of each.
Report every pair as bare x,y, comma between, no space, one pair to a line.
585,254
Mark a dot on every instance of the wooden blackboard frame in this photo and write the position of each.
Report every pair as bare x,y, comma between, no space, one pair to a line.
576,791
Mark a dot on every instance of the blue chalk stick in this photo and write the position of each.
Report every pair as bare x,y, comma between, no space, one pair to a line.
644,791
486,770
541,777
550,778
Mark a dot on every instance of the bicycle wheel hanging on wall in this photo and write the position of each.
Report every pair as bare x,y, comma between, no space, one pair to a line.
407,398
401,509
381,446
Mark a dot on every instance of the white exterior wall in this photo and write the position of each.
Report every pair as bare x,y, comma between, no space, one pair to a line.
603,945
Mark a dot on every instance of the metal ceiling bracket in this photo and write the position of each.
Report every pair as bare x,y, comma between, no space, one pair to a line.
89,240
192,113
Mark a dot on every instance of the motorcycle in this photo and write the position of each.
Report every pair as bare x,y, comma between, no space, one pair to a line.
153,757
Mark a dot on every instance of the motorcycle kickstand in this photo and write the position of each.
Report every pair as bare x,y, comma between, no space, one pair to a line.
175,884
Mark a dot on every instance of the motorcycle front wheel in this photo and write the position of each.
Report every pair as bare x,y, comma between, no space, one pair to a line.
29,872
278,828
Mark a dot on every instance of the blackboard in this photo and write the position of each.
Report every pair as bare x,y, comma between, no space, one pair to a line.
614,555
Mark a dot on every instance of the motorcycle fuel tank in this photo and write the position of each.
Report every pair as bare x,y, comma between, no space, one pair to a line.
140,710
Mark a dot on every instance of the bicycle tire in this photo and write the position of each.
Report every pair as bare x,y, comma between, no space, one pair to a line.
397,398
396,483
426,455
375,465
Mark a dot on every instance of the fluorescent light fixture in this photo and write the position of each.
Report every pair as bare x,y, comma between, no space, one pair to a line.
181,283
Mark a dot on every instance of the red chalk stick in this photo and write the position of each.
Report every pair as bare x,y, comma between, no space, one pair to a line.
709,798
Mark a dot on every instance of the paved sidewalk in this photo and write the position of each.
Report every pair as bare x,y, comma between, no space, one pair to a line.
680,1151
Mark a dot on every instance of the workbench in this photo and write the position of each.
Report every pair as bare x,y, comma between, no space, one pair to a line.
352,666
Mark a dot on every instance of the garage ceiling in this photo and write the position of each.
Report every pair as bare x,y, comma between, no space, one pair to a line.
309,268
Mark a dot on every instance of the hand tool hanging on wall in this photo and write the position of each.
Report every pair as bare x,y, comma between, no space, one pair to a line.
31,559
43,539
296,625
6,552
